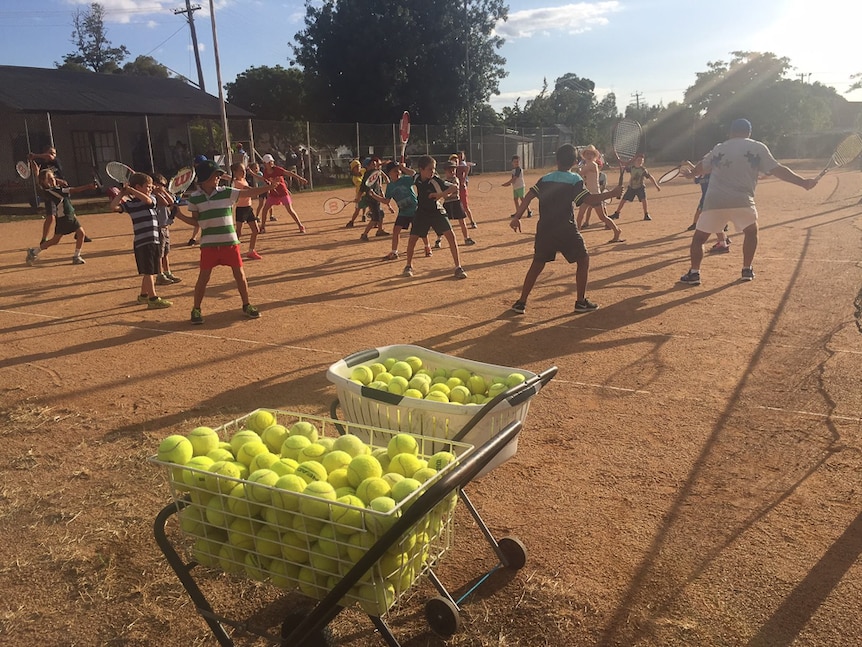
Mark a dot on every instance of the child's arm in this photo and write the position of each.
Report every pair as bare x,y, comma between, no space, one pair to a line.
449,190
189,220
295,176
132,192
80,189
253,192
595,199
116,201
515,220
652,179
164,198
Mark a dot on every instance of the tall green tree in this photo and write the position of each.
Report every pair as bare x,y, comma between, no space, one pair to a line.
273,93
94,50
368,61
145,66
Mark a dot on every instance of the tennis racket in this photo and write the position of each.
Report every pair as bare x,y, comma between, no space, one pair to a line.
485,186
670,175
23,169
405,133
118,172
847,151
335,205
377,182
627,141
181,181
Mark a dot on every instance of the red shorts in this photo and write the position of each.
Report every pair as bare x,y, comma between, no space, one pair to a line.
222,255
272,200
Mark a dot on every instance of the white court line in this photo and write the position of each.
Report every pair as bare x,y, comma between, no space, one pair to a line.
828,416
603,386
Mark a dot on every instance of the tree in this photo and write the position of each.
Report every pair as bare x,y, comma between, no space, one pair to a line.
145,66
270,93
368,61
94,49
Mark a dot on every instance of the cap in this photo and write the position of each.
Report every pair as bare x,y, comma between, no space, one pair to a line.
740,127
267,158
200,158
454,156
206,169
391,166
450,164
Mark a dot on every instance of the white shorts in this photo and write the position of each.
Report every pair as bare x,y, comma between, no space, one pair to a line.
713,220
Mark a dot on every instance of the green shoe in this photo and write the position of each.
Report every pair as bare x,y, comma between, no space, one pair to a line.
250,311
197,317
158,303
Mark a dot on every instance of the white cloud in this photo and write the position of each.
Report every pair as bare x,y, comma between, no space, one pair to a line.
570,18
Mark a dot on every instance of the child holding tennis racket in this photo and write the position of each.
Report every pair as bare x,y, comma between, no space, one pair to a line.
356,175
279,193
372,183
557,231
452,204
462,172
165,210
401,189
638,174
244,212
63,213
590,173
518,183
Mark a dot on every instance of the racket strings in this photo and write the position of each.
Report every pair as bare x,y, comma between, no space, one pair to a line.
848,150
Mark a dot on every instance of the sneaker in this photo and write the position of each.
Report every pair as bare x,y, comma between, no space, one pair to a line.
473,225
349,225
250,311
162,279
77,260
520,307
460,273
646,217
273,219
253,256
31,255
143,298
585,306
262,230
529,213
380,233
428,251
192,242
158,303
301,229
87,239
364,237
691,278
692,227
469,241
437,244
408,271
719,248
747,274
615,215
174,279
364,218
391,256
197,317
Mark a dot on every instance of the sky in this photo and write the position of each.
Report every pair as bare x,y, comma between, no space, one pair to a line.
641,50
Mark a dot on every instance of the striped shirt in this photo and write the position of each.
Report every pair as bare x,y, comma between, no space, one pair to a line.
557,192
144,221
215,216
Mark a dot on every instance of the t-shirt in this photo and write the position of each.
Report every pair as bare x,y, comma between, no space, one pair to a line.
518,178
215,216
58,198
428,206
637,176
733,167
452,181
558,191
404,193
277,174
145,223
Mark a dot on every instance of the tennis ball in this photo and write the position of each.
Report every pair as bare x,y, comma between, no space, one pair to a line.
312,583
420,383
231,559
376,599
392,478
292,446
414,393
351,444
403,369
256,566
205,552
242,467
274,437
259,421
304,428
195,476
327,442
344,490
496,389
460,394
440,460
218,479
283,574
348,516
379,385
249,450
193,520
414,362
284,466
175,449
239,503
382,455
477,384
358,544
240,438
294,547
441,372
203,440
405,464
263,461
371,488
335,459
312,452
377,368
311,471
288,486
281,520
402,444
321,562
316,503
240,533
261,477
398,385
337,478
436,396
362,374
440,387
514,379
221,454
389,362
404,489
216,512
462,374
329,543
424,474
383,514
361,468
267,542
385,377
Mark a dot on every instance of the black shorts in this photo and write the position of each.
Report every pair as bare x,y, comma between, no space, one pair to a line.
565,240
454,210
66,225
148,259
424,223
404,221
164,242
245,214
631,194
375,213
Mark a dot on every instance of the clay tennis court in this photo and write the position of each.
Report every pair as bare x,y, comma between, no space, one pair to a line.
690,477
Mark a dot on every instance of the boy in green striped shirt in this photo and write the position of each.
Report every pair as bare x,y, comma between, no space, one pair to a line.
211,208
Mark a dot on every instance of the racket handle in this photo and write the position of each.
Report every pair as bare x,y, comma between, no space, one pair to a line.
622,174
821,174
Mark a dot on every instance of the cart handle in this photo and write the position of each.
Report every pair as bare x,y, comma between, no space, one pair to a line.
328,607
360,357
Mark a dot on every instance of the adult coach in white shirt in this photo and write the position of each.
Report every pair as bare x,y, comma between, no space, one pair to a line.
734,166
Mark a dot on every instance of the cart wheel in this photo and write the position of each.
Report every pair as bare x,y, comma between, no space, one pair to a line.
442,616
322,638
514,552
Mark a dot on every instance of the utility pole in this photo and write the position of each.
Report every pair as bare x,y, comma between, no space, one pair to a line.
190,10
637,96
467,70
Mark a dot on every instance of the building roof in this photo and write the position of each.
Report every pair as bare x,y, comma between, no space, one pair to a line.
35,89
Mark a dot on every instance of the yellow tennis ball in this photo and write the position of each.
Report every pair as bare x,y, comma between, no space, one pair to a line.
335,459
311,471
376,599
377,368
405,464
424,474
223,477
392,478
403,369
256,566
514,379
358,544
371,488
383,514
267,542
240,438
414,362
288,487
348,515
292,446
420,383
389,362
338,479
263,461
203,440
221,454
330,544
414,393
404,489
351,444
385,377
263,477
239,503
361,468
283,574
284,466
362,374
312,452
398,385
316,503
197,479
440,460
274,437
259,421
240,533
460,394
477,384
294,547
231,559
175,449
496,389
304,428
402,444
327,442
437,396
249,450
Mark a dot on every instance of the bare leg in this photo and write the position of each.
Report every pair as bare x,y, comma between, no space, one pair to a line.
241,283
148,286
749,244
453,246
201,286
533,272
581,274
696,248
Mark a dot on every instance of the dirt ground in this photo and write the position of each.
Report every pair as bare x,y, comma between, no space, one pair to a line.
690,477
